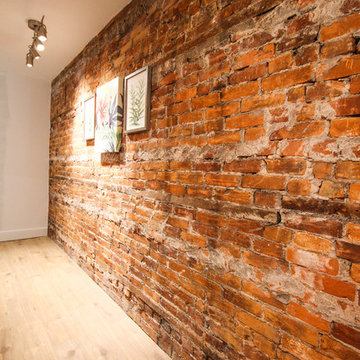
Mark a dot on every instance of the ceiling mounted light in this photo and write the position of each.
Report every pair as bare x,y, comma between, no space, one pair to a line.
40,35
29,60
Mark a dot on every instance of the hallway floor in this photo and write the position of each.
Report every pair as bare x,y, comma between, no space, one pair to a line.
50,309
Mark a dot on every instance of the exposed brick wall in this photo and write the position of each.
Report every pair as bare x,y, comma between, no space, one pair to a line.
231,229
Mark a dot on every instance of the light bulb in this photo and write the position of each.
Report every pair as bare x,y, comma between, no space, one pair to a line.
39,45
29,60
42,33
34,53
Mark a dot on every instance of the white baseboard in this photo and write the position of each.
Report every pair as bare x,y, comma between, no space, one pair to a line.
22,234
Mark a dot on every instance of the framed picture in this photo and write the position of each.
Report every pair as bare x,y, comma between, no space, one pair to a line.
137,100
89,118
109,116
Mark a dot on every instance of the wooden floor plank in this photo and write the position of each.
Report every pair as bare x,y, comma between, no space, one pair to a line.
50,309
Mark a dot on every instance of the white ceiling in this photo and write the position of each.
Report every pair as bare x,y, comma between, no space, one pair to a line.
71,24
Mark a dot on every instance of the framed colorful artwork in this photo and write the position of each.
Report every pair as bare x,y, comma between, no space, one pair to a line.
89,118
137,100
109,116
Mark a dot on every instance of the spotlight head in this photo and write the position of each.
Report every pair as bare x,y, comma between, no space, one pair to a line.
34,53
39,45
42,33
29,60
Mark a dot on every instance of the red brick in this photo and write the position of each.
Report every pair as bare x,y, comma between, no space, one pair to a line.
207,127
300,350
211,219
352,231
332,190
243,166
291,326
324,91
225,138
280,63
306,113
268,248
259,326
345,67
262,101
237,92
221,180
294,148
299,131
264,262
262,295
288,78
348,251
322,170
299,23
277,234
312,242
185,94
296,94
248,74
307,54
355,85
334,348
315,225
265,199
338,47
241,121
345,127
354,194
205,101
347,334
222,110
192,239
299,187
348,170
340,27
325,283
255,133
313,261
236,196
355,272
178,222
263,182
191,178
347,106
255,56
214,71
286,166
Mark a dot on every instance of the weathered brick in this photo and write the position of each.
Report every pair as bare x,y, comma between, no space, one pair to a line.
345,67
242,121
300,131
340,27
312,242
313,261
280,63
288,78
237,92
299,187
262,101
286,166
263,182
345,127
348,170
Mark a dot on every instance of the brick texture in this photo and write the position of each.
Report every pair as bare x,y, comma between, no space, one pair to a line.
230,230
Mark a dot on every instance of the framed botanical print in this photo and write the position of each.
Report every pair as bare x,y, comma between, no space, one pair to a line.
89,118
137,100
109,116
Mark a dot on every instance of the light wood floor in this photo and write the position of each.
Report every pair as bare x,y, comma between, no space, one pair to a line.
50,309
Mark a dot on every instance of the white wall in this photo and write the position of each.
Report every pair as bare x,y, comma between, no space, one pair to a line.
24,156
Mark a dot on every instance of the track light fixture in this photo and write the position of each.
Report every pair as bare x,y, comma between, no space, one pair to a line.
40,35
